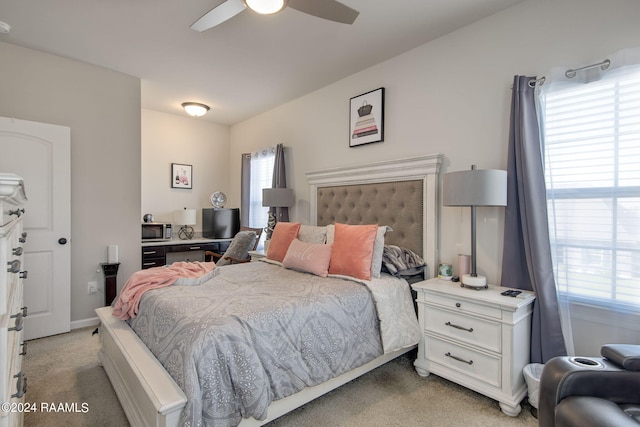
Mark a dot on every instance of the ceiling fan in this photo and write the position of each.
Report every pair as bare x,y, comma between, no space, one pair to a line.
327,9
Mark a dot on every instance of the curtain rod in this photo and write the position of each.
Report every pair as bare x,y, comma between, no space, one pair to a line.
603,66
571,73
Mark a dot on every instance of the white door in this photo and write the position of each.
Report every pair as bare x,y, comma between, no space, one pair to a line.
40,154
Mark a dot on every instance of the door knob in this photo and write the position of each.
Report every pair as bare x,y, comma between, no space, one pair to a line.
62,241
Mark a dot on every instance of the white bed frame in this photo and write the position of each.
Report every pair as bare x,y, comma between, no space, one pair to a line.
148,394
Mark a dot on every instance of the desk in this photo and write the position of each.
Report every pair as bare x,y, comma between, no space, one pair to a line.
155,254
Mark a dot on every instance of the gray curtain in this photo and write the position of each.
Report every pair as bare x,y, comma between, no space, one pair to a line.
526,261
280,181
245,189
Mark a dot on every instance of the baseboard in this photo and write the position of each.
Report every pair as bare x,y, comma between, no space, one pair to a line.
85,323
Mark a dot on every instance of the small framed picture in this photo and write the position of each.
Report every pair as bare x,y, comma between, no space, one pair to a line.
181,176
366,120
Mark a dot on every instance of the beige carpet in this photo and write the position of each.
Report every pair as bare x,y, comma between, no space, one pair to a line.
64,369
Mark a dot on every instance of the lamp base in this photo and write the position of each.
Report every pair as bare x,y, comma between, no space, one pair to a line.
185,232
476,282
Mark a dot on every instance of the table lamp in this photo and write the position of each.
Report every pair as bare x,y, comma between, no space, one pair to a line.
474,188
275,198
186,218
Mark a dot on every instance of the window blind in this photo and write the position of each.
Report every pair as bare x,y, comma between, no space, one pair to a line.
261,177
591,134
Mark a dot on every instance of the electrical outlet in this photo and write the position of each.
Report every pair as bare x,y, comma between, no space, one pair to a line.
92,288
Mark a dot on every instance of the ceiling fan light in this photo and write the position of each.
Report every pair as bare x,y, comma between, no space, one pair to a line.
266,7
195,109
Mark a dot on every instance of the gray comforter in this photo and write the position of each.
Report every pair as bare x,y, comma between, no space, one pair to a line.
256,333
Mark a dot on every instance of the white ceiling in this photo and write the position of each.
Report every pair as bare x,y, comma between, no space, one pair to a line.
244,66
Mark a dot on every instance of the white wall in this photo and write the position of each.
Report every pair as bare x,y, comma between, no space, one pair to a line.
450,96
168,138
102,108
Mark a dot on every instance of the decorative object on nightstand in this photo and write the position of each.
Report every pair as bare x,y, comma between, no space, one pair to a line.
479,340
186,218
475,188
275,198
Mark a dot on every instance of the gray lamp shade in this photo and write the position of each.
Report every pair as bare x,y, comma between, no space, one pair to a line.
475,188
277,197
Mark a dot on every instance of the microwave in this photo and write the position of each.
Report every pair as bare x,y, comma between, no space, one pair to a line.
156,231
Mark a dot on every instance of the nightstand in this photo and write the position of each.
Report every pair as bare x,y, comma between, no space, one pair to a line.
256,255
477,338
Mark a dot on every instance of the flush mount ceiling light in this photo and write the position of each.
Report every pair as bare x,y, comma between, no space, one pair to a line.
266,7
195,109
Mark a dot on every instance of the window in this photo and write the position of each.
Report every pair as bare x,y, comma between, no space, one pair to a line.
591,135
258,175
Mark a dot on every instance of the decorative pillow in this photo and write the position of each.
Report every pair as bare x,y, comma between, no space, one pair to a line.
331,231
283,235
308,257
352,251
312,234
378,248
376,262
239,248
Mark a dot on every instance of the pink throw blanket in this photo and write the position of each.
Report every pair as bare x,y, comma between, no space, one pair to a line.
126,305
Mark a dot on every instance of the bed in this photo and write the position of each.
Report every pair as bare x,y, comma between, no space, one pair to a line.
401,194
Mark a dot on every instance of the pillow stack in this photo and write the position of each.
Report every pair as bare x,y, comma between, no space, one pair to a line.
339,249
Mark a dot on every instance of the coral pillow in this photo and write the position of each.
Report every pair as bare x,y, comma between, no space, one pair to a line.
283,235
378,247
352,251
308,257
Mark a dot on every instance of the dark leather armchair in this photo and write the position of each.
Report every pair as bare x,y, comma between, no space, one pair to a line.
592,391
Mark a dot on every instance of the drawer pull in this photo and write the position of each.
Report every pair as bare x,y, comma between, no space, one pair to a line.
21,385
17,212
19,322
459,359
17,251
150,263
14,266
459,327
23,239
458,305
194,248
149,252
23,274
24,349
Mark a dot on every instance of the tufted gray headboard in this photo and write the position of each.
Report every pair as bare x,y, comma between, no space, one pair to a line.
396,204
399,193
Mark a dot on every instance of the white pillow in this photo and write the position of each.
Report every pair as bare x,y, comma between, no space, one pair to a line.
312,233
378,249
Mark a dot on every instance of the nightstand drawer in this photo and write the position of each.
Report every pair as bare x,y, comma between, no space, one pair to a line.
466,361
460,327
464,305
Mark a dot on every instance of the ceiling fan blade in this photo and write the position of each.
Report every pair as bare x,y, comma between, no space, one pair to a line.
327,9
216,16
